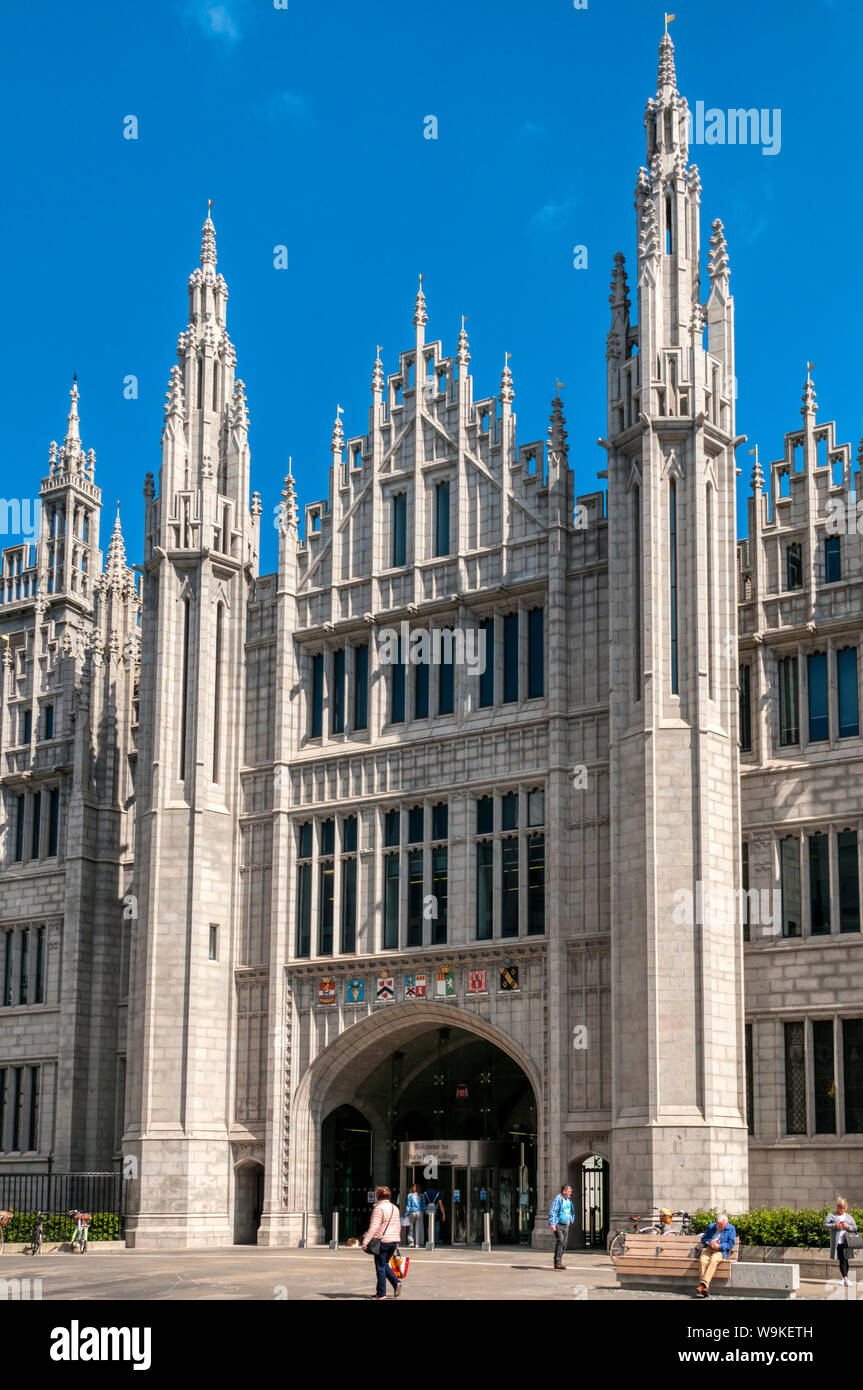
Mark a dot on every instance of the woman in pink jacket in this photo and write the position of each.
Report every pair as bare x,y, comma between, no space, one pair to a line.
385,1226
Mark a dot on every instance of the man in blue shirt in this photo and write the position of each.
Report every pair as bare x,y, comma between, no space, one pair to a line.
718,1242
561,1215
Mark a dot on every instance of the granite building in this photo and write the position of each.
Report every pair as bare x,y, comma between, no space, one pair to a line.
471,847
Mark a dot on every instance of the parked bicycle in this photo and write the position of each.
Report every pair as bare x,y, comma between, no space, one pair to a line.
38,1236
82,1224
5,1218
664,1222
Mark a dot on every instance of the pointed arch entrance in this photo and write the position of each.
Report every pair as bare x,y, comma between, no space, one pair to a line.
433,1095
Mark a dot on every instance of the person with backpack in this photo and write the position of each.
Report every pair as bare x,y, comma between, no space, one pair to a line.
434,1204
382,1240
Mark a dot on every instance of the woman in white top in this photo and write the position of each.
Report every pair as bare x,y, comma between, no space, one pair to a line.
841,1225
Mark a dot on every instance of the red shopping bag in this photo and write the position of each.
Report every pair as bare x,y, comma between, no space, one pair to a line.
399,1265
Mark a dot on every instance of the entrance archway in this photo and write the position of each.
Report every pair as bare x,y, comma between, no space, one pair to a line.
415,1075
248,1201
588,1176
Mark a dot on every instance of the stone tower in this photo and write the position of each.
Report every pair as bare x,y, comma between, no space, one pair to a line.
679,1133
201,556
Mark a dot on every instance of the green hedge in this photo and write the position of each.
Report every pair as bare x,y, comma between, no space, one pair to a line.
779,1226
104,1226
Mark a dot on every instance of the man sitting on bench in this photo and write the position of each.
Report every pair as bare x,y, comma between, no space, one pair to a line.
718,1242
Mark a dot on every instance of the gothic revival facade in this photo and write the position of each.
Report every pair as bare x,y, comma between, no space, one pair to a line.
439,851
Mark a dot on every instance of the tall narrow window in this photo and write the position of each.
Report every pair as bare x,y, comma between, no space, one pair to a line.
326,893
823,1077
795,1079
745,681
20,807
33,1113
184,711
672,577
39,979
794,566
53,820
535,654
789,866
391,902
397,687
217,690
441,518
846,673
484,889
317,712
28,725
711,623
349,884
852,1057
37,825
4,1073
819,885
636,593
832,560
510,658
744,880
440,873
509,885
535,864
415,898
24,974
421,690
789,710
849,884
486,680
819,724
399,516
361,687
446,674
304,890
750,1082
8,965
49,721
337,704
17,1107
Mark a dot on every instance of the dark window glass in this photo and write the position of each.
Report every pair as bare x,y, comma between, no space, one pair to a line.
24,979
392,833
484,816
819,726
536,884
672,580
446,674
794,566
819,885
8,961
832,560
509,811
37,825
337,707
349,904
440,891
789,863
391,902
750,1082
399,528
486,680
304,910
317,695
852,1051
849,887
441,518
744,869
415,898
846,671
28,725
535,653
397,688
3,1076
19,828
795,1079
823,1077
421,690
440,821
361,687
509,886
17,1105
33,1117
53,821
536,806
415,825
328,836
510,658
49,721
327,883
349,835
789,715
484,889
305,841
746,708
39,982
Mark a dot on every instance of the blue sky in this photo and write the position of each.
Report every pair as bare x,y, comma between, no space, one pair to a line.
305,125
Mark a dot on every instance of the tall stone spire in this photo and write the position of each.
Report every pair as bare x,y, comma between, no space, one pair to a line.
208,241
115,563
73,430
506,391
667,76
557,427
810,404
378,374
420,315
462,357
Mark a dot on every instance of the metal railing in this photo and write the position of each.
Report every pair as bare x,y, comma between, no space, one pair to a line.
57,1193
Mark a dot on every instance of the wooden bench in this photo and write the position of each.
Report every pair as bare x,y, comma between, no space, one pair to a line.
674,1261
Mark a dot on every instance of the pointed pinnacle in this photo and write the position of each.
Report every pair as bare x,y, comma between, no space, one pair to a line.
208,241
420,315
667,75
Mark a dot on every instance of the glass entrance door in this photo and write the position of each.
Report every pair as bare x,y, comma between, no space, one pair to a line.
459,1206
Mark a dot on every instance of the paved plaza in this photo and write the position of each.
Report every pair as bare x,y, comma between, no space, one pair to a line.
249,1273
